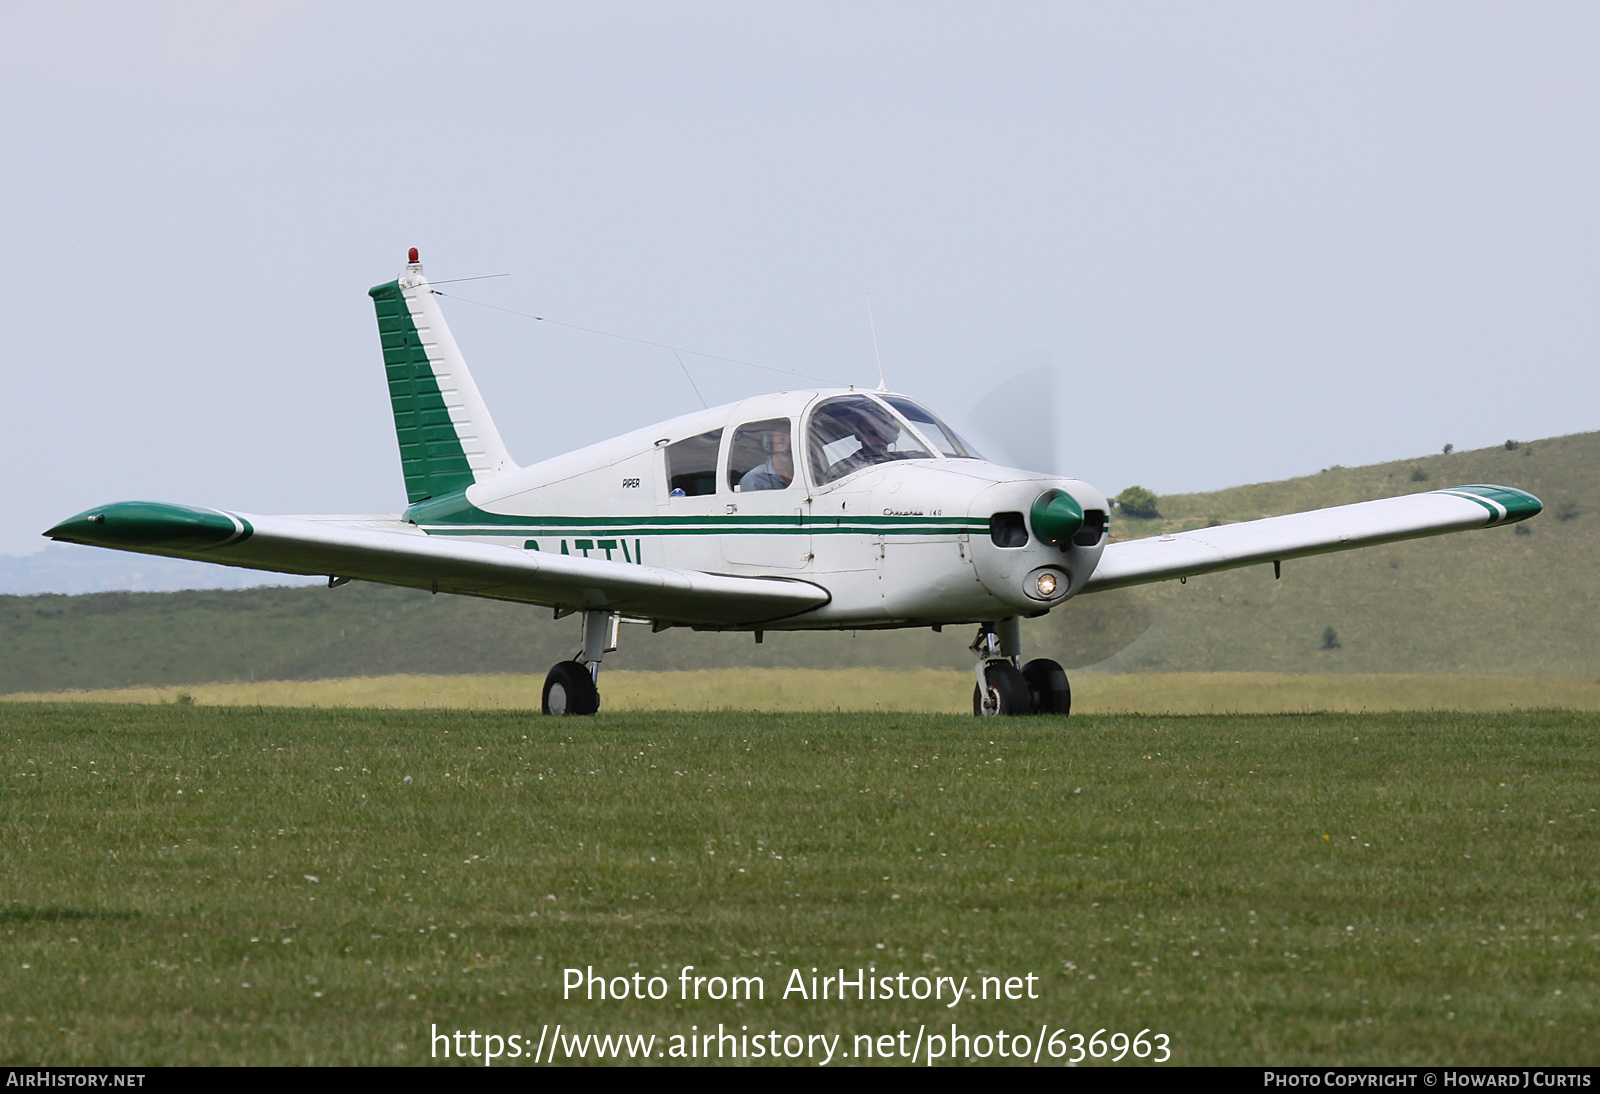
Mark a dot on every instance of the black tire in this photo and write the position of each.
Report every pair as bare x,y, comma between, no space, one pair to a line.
1048,687
569,689
1007,689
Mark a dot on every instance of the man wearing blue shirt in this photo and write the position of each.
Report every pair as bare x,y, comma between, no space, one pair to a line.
778,472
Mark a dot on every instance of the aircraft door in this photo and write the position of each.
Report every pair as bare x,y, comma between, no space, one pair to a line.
765,518
691,506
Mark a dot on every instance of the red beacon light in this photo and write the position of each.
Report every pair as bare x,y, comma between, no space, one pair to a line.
413,256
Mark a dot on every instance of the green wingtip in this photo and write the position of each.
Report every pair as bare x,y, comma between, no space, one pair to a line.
1518,504
147,525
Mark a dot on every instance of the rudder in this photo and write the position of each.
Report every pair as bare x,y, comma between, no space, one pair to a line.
447,439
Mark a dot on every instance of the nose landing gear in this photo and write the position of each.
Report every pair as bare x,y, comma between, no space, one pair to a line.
1039,687
1047,686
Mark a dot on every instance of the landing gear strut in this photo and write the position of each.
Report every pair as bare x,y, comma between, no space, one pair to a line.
571,686
1004,688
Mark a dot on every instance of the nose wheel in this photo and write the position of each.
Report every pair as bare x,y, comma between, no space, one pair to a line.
1039,687
1003,690
1048,689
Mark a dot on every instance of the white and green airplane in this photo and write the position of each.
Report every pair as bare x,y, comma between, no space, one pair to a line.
802,510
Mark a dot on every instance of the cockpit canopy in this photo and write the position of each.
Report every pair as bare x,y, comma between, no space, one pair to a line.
845,433
850,432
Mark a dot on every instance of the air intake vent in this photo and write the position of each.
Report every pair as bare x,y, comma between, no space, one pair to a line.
1008,530
1094,526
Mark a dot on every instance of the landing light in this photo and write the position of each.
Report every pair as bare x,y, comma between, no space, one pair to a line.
1048,584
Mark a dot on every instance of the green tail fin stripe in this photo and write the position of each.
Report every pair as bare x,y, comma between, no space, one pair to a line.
431,455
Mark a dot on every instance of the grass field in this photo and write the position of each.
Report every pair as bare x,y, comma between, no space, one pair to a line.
191,884
927,691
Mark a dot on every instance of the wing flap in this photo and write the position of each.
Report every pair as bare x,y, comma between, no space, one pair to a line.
1319,531
392,552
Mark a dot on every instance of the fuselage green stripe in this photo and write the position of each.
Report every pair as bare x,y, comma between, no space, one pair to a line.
705,529
441,514
491,520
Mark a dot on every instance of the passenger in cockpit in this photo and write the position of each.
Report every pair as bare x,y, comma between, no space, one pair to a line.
778,472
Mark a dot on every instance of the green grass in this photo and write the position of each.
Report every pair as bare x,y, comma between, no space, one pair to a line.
1391,889
928,691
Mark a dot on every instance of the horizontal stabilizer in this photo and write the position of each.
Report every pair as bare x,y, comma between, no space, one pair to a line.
1320,531
388,550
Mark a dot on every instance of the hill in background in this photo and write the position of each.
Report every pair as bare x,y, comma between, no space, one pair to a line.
1520,599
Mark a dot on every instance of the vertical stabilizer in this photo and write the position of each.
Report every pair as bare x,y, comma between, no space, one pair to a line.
447,439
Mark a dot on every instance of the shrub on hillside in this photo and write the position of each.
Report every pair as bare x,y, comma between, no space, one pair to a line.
1136,501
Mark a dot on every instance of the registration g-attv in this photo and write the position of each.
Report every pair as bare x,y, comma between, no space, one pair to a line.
801,510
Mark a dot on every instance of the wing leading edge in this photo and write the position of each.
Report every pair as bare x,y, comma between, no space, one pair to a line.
392,552
1319,531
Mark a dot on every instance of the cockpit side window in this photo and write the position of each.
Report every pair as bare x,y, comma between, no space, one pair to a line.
760,456
945,439
851,432
692,465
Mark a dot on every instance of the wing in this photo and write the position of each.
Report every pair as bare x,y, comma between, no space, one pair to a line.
1320,531
393,552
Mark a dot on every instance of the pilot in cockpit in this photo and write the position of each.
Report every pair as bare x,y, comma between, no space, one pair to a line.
875,434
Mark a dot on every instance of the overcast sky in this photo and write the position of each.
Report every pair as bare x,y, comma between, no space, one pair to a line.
1256,239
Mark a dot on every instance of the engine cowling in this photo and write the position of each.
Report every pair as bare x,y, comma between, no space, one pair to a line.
1045,539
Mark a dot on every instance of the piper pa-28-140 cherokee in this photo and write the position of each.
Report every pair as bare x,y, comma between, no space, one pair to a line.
803,510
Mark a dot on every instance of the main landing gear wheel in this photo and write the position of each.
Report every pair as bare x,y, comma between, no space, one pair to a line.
1004,691
569,689
1047,687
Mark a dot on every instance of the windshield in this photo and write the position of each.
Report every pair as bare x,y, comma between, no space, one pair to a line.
945,439
850,432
